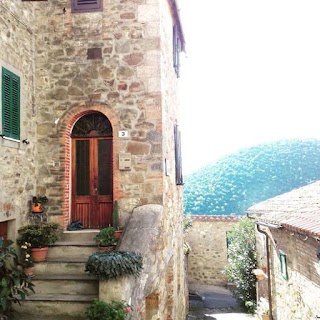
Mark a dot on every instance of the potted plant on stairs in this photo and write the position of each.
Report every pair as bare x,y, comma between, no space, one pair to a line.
40,236
105,239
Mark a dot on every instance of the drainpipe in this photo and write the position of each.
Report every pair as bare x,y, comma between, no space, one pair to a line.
268,269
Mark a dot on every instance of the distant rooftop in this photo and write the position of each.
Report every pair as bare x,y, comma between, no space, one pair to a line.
297,210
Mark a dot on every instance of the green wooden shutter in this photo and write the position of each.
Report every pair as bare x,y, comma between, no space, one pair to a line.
10,104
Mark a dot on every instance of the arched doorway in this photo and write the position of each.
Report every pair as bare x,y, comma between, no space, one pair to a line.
91,180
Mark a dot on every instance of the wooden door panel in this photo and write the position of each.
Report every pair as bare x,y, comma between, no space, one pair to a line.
104,216
92,201
82,212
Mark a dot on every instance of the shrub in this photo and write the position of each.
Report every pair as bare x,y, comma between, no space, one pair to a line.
115,310
106,237
114,264
242,261
39,235
15,285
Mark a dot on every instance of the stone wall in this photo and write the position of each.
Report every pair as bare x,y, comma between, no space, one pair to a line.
298,296
208,256
118,62
122,81
18,163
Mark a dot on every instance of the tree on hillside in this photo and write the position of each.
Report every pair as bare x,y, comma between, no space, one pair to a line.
239,180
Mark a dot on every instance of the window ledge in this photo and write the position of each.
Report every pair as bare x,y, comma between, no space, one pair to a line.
10,143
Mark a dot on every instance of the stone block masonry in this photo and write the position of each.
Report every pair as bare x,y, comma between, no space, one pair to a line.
208,256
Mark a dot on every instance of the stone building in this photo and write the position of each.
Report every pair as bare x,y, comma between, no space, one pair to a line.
288,253
90,116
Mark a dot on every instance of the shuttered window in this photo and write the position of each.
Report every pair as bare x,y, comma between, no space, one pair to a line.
177,46
10,104
178,158
86,5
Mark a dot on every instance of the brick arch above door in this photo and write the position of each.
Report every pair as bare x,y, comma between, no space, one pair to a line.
64,128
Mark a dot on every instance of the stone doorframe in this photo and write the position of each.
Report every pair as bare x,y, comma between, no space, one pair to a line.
64,128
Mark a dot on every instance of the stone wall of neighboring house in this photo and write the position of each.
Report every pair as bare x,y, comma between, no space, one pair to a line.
18,161
208,242
296,297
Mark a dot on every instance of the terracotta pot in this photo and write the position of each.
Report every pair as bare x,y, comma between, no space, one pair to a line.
39,254
28,271
265,317
107,248
36,207
117,234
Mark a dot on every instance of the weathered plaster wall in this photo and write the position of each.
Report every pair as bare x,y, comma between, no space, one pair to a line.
18,170
298,297
208,255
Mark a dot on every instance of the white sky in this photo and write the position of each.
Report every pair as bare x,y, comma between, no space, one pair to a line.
251,75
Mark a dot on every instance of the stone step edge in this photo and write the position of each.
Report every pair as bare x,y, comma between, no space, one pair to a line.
74,244
64,260
66,277
61,297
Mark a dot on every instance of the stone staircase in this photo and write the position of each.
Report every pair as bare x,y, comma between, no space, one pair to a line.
62,288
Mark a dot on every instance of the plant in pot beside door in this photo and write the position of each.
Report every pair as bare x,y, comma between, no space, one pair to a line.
116,220
37,204
40,236
105,239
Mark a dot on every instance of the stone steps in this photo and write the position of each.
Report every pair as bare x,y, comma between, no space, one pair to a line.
61,265
63,290
71,249
55,305
65,284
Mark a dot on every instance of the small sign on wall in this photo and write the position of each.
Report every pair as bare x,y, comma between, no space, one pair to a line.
125,161
123,134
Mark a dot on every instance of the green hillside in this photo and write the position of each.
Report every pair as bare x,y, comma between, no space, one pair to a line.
239,180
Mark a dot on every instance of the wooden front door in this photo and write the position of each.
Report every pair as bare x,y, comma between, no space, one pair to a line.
92,201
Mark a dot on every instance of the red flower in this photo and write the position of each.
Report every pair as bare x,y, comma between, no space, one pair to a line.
128,309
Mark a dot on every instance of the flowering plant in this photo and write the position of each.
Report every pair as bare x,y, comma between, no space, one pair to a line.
114,310
25,255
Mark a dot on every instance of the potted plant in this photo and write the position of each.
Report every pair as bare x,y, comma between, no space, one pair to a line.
115,220
37,204
26,259
114,264
15,285
105,239
40,236
114,310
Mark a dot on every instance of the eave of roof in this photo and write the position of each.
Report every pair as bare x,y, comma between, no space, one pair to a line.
297,210
174,7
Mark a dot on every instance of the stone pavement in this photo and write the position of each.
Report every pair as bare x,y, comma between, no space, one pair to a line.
214,303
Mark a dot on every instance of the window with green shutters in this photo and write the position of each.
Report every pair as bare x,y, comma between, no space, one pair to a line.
10,104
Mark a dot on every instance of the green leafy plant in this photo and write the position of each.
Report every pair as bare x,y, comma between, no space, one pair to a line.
106,237
39,235
115,310
187,225
241,262
40,199
15,285
114,264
